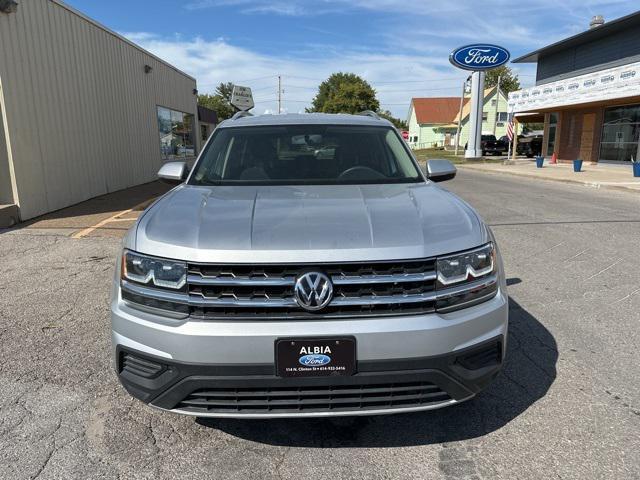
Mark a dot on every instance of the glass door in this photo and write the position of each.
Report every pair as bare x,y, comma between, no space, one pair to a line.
551,134
621,134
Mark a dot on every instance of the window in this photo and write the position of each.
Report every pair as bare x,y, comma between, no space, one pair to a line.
305,155
204,132
502,116
485,115
176,134
493,102
621,133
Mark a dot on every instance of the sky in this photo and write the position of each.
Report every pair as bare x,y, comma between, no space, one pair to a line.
400,47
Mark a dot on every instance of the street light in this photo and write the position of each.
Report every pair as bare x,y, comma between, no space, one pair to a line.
8,6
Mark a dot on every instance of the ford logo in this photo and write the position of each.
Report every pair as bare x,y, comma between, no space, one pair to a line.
314,360
479,57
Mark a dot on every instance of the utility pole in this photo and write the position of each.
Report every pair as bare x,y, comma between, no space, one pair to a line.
495,118
464,89
279,94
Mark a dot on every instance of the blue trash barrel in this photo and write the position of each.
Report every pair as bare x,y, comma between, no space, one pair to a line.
636,169
539,162
577,165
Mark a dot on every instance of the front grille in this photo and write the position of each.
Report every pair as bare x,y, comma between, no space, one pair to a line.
244,292
313,398
267,291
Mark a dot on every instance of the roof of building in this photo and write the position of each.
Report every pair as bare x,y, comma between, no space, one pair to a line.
207,115
436,109
443,110
608,28
306,119
466,110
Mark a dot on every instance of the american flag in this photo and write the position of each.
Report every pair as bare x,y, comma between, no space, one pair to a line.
510,127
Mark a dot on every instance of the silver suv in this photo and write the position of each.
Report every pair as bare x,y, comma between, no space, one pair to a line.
306,267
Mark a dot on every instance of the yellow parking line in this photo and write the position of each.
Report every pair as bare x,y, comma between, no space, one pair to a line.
87,231
124,219
115,218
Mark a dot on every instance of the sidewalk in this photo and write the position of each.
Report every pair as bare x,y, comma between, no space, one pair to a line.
108,215
598,176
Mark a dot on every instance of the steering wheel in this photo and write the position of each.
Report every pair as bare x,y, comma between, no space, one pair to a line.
360,172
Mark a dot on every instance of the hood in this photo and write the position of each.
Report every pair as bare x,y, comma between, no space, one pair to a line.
283,224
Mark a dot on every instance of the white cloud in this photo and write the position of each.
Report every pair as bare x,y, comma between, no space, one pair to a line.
408,57
396,76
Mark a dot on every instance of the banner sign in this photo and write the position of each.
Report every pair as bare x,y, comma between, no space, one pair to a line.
618,82
479,57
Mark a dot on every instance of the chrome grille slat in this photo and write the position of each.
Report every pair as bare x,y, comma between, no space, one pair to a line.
194,279
375,279
384,299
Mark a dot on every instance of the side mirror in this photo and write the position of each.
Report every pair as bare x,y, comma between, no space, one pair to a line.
440,170
173,172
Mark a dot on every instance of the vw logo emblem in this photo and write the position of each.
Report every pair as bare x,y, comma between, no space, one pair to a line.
313,291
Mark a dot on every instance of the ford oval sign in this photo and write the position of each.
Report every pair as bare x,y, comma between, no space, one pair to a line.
314,360
479,57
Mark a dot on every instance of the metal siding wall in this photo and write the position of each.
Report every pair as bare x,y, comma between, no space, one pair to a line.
6,192
81,111
617,49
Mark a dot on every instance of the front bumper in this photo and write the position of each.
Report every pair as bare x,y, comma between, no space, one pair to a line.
404,363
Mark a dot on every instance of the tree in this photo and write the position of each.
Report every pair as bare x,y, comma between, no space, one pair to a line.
225,90
219,102
344,93
509,81
399,124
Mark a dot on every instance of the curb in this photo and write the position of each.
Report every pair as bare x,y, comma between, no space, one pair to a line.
551,179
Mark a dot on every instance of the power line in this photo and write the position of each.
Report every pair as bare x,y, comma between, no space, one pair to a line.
259,78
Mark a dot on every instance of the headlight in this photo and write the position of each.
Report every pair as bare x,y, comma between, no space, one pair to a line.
152,271
467,266
466,279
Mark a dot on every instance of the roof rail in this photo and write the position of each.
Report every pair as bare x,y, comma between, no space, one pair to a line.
241,114
370,113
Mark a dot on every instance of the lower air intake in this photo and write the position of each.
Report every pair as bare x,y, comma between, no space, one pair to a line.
313,398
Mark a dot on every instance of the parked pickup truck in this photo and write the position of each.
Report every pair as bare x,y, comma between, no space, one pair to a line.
307,267
492,146
529,146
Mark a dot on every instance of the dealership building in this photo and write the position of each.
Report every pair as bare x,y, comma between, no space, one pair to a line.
83,111
587,93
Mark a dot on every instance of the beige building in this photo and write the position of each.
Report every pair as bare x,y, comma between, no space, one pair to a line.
84,111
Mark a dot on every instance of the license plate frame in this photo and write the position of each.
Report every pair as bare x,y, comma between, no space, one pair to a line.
289,356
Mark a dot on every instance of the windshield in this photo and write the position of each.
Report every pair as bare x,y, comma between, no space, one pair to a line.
305,154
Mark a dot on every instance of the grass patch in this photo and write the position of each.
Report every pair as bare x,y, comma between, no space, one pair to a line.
428,153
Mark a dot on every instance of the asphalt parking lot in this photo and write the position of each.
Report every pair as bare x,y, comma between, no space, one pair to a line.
567,404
